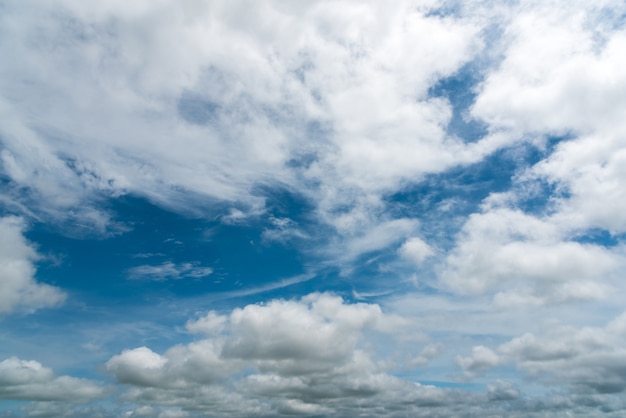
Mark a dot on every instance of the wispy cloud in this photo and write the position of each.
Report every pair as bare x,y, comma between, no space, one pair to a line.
168,271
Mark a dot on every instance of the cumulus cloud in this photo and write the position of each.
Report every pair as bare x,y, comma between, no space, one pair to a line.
502,391
560,70
29,380
315,356
561,76
585,359
283,357
523,259
19,289
481,359
415,250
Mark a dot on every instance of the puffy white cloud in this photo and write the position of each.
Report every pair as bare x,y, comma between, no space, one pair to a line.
317,355
560,70
289,337
18,288
29,380
523,259
415,250
591,170
140,366
561,75
304,356
180,367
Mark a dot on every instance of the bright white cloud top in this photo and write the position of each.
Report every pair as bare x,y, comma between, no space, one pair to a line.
350,208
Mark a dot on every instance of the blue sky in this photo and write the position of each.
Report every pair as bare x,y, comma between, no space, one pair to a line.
324,209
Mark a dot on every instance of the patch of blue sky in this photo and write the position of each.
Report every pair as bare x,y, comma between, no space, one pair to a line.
9,407
441,198
103,269
446,9
446,384
538,197
600,237
460,90
547,146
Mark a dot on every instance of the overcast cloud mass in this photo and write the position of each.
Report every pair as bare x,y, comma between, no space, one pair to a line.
321,209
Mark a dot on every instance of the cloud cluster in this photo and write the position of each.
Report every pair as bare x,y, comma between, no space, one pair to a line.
561,76
525,260
315,356
307,357
19,290
29,380
588,359
182,103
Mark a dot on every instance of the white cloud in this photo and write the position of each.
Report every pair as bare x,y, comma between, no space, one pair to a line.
372,236
140,366
561,75
560,70
182,97
211,323
415,250
591,170
316,356
482,359
523,259
426,355
287,336
29,380
284,230
18,288
502,391
282,357
584,359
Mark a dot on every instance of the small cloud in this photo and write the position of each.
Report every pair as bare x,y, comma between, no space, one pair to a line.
427,354
168,270
284,230
502,391
481,359
415,250
19,289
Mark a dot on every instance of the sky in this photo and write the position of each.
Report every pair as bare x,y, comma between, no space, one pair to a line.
323,209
